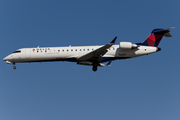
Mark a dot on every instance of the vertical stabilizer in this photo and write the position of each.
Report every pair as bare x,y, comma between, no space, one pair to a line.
155,37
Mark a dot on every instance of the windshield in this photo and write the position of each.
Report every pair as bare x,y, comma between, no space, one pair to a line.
17,51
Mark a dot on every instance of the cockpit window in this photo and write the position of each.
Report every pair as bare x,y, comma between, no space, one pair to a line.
17,51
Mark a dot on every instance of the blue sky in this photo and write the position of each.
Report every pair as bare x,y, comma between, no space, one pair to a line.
141,88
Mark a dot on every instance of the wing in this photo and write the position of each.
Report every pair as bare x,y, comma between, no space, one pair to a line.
97,54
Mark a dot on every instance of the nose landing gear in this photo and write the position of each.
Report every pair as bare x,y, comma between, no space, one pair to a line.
14,67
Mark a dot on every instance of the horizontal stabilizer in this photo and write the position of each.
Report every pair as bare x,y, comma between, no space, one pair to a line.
167,35
163,31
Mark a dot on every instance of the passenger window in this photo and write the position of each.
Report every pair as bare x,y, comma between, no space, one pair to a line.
58,50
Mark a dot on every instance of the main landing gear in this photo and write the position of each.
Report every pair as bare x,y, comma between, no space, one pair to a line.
14,67
94,68
95,64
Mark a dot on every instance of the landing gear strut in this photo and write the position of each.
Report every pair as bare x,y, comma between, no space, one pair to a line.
95,64
14,67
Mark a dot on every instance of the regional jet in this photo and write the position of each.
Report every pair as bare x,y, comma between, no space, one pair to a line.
94,56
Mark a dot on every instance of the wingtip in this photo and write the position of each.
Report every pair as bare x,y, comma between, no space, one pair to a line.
109,63
113,41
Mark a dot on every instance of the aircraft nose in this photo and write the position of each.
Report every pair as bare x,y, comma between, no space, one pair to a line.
5,59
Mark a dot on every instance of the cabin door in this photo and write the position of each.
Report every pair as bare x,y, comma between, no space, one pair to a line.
28,53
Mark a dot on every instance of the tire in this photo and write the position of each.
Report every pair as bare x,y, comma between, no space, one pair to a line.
14,67
94,68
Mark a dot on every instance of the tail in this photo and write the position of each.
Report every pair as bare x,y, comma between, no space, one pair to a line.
155,37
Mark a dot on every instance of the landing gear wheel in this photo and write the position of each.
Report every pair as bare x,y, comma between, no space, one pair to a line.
94,68
14,67
95,64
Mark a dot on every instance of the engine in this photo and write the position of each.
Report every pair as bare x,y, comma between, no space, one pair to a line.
127,45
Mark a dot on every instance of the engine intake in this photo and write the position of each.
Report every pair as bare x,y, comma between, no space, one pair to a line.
127,45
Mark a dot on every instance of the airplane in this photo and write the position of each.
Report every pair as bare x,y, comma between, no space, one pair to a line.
94,56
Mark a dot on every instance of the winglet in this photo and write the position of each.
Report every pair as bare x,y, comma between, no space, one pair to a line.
109,63
113,41
103,65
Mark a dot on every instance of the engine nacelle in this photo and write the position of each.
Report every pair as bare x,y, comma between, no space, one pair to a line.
127,45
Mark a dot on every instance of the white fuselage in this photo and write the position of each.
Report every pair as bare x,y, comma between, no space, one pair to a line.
94,56
70,53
